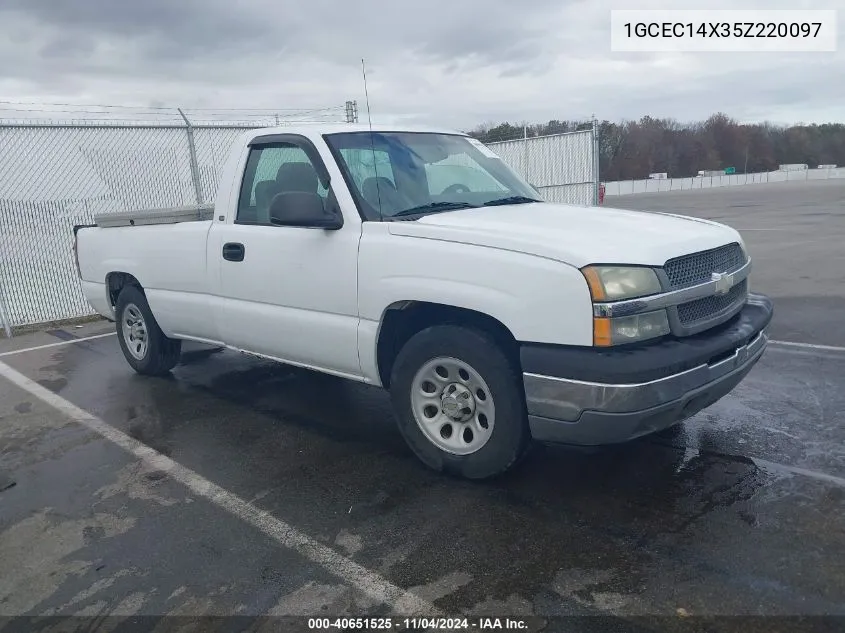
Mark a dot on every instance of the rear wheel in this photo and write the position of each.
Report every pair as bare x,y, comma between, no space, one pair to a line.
459,402
144,345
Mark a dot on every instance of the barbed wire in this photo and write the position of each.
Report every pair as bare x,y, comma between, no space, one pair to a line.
196,123
152,107
175,115
138,123
246,115
521,137
21,112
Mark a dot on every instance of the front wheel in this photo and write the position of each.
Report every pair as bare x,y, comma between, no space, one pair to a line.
459,402
144,345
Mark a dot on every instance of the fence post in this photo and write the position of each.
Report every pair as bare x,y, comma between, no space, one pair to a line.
4,318
195,171
596,178
525,152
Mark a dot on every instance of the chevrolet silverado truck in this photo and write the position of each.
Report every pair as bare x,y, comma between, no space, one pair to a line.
416,260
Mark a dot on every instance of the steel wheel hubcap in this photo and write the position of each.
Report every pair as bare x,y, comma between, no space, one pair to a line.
134,330
452,405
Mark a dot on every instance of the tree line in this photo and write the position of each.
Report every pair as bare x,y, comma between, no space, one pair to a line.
635,149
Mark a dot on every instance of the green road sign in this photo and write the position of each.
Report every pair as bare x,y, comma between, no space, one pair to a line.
730,170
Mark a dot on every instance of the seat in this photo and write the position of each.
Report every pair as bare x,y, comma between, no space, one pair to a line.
297,177
264,192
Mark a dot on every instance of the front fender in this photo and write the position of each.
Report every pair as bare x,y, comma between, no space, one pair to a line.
537,299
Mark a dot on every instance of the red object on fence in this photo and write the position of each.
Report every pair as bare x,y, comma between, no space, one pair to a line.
601,193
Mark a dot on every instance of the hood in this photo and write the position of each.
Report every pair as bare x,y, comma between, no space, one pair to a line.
574,235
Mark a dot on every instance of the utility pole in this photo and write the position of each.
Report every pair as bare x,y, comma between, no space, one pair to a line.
352,112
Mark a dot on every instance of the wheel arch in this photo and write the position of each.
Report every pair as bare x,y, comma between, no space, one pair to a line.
116,281
403,319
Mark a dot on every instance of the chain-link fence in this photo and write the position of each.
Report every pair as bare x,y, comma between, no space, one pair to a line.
563,167
57,175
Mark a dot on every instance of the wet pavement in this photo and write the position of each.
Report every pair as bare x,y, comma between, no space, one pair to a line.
740,511
89,531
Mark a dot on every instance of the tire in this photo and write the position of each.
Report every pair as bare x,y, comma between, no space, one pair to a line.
491,450
153,354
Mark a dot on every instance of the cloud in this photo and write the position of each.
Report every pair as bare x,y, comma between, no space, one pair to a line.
451,62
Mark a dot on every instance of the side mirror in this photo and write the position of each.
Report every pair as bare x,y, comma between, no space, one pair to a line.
303,209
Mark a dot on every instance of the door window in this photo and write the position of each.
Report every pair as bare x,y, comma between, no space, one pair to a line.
272,169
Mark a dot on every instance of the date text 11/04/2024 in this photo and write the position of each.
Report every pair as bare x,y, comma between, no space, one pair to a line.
417,624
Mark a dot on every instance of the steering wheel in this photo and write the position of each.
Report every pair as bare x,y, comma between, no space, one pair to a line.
456,188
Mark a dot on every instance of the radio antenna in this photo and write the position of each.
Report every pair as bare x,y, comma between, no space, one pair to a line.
372,138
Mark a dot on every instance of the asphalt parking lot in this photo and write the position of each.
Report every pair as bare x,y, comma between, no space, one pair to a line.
239,487
795,233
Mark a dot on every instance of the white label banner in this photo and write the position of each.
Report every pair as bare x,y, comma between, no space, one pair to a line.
727,31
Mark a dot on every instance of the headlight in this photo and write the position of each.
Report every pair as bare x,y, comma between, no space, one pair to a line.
611,283
629,329
615,283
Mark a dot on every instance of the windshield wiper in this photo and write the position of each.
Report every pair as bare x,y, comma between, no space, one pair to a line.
434,207
510,200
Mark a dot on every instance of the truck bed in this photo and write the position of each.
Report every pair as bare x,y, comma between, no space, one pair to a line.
143,217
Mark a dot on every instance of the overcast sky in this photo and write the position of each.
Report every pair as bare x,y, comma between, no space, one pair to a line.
446,62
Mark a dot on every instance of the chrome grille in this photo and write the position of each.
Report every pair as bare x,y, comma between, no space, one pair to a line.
694,312
696,268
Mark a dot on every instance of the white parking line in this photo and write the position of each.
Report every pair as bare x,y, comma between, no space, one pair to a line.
827,348
795,470
376,587
68,342
830,348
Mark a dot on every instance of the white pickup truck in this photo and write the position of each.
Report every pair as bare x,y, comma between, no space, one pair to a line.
416,260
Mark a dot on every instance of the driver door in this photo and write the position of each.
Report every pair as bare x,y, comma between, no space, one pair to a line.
288,292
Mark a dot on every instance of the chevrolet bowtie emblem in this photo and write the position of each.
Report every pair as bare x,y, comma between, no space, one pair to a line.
724,282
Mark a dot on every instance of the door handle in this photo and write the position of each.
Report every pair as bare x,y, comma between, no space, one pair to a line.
233,252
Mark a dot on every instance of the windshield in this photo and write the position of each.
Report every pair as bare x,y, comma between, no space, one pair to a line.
410,174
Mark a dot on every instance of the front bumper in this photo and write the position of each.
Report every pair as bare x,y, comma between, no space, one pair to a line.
590,397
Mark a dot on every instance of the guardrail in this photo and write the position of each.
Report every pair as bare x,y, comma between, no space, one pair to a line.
627,187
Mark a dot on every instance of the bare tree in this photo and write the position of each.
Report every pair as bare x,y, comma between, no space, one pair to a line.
634,149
